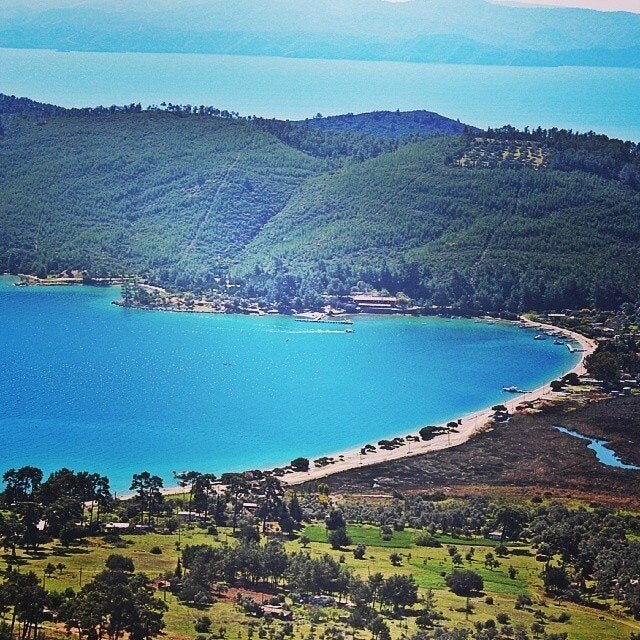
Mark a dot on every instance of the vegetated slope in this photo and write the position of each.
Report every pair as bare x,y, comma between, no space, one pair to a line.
294,211
363,135
389,124
153,193
481,238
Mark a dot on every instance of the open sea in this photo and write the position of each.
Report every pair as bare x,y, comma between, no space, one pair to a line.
581,98
95,387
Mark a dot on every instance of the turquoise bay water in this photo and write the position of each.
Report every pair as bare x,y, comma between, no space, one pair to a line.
583,98
95,387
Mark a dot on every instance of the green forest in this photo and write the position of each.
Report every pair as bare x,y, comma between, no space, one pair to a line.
191,197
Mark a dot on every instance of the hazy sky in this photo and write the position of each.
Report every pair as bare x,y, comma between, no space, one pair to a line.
603,5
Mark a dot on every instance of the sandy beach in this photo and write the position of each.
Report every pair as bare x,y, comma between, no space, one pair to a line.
469,425
353,458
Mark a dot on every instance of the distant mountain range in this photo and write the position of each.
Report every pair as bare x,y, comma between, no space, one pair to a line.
465,31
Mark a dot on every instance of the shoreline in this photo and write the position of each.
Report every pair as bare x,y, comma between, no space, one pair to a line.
352,458
469,425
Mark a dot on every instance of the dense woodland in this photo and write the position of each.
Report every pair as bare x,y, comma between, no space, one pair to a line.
195,198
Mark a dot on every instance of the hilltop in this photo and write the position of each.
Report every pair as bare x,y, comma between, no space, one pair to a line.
389,124
191,196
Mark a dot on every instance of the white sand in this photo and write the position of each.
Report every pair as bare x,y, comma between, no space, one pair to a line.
353,459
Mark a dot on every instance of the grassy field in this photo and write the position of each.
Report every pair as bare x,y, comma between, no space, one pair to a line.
427,565
369,536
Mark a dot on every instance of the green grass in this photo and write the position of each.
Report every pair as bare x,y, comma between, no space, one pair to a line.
427,565
368,536
476,541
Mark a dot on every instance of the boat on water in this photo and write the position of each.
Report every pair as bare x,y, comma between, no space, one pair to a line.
511,389
323,319
540,336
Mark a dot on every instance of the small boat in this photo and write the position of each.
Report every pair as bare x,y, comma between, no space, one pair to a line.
348,331
540,336
322,319
511,389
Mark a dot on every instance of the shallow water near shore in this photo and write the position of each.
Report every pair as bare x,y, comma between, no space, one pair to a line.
92,386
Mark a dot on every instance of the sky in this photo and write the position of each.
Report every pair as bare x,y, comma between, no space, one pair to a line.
601,5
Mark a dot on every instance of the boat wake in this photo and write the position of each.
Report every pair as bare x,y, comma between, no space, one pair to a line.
310,331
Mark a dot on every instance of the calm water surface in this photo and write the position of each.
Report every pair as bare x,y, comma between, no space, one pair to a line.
92,386
604,454
582,98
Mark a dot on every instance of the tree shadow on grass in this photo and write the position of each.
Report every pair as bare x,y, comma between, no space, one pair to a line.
11,561
59,551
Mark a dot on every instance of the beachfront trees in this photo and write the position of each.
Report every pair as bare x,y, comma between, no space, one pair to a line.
603,365
203,489
426,433
300,464
21,484
147,488
188,479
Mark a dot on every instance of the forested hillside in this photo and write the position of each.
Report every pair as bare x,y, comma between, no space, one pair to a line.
174,197
189,195
482,237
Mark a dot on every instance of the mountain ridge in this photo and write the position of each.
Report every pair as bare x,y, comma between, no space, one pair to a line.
472,32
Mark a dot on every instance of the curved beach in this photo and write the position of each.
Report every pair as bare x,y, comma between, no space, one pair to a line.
469,425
